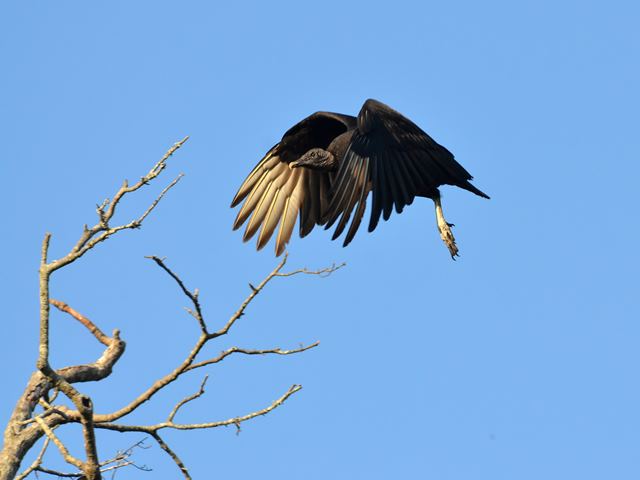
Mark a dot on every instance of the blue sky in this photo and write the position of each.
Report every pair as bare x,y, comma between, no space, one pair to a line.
517,361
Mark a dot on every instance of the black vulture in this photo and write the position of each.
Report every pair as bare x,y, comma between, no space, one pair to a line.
325,166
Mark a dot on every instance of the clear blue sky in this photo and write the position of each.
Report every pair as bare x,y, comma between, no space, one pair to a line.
519,361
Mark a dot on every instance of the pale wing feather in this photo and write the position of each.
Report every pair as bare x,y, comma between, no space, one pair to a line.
294,202
269,161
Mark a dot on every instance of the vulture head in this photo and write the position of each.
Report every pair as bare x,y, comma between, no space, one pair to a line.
315,159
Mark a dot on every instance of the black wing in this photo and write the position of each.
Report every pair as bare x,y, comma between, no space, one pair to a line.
394,158
274,194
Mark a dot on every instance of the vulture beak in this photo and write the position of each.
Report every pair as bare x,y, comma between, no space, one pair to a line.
293,165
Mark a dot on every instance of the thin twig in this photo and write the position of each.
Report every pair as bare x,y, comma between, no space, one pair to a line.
157,200
254,292
191,296
225,353
185,400
84,245
36,463
153,173
48,410
125,454
323,272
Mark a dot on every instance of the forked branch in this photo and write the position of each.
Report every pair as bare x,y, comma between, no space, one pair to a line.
189,363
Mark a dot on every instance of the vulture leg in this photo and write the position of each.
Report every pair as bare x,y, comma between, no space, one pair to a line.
445,229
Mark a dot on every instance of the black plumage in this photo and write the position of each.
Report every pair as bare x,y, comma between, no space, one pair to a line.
325,166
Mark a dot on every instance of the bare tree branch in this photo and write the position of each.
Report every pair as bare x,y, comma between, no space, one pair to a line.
172,454
70,459
18,436
120,460
204,337
90,237
100,336
103,421
59,474
150,429
43,358
91,467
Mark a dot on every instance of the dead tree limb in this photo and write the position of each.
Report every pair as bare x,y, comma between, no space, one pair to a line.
36,415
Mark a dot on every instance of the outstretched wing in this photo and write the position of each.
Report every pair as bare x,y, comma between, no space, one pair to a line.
274,194
392,157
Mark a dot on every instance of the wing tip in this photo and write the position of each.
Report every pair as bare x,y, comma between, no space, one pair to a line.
473,189
236,201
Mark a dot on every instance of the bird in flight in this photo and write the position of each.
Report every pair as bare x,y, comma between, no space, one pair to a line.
326,165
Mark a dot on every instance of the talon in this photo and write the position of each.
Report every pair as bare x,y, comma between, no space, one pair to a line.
448,239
